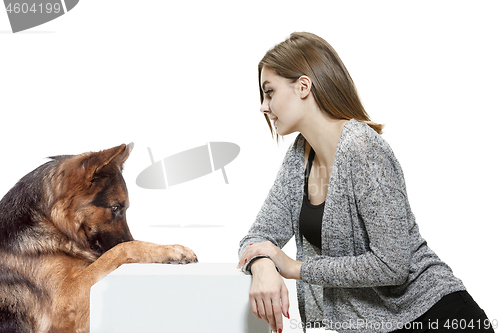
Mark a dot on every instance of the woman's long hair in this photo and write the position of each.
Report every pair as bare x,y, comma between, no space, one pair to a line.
304,53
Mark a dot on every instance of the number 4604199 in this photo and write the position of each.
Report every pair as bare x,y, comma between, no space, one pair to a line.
34,8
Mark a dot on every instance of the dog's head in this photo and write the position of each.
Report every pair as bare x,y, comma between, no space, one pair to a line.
90,198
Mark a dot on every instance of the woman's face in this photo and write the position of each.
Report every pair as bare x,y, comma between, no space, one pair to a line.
281,102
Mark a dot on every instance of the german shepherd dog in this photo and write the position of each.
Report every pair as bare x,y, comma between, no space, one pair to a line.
62,229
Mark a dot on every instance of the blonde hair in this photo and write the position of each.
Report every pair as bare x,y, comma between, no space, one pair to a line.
304,53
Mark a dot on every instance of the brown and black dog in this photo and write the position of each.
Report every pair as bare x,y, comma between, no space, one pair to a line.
62,229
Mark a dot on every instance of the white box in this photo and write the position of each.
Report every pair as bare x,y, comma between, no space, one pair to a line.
174,298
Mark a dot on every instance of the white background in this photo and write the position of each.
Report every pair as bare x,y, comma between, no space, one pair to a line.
175,75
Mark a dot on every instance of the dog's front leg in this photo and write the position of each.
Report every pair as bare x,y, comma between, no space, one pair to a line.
72,306
135,252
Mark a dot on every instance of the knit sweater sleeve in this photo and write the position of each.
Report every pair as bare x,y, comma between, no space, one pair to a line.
274,220
376,186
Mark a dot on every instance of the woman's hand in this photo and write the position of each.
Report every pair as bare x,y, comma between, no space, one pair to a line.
289,268
268,294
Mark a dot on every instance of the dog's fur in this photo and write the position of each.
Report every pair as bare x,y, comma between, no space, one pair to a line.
63,228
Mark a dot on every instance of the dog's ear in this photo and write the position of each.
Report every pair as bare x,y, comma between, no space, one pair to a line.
126,153
94,164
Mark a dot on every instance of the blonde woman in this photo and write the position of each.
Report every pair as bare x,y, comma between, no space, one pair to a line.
361,262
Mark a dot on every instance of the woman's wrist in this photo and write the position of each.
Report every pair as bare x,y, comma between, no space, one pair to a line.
298,267
262,264
266,264
292,271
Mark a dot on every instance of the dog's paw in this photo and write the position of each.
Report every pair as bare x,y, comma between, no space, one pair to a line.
179,254
145,252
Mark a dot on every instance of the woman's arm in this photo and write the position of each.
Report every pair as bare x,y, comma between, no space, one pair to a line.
387,261
377,188
288,267
274,220
378,201
268,294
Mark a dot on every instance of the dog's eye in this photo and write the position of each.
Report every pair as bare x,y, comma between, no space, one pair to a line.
115,208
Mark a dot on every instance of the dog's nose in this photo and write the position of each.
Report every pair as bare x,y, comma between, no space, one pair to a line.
127,235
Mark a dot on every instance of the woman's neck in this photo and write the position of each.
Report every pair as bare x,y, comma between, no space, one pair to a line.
322,132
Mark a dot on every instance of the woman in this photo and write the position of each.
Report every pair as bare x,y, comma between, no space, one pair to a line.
361,262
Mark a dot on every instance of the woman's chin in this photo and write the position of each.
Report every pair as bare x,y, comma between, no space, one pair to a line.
283,131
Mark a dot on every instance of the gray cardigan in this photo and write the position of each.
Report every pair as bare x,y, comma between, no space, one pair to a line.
374,272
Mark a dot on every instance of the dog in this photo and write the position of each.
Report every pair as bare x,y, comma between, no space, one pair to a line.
63,227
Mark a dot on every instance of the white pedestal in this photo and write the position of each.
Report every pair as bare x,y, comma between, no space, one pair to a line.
174,298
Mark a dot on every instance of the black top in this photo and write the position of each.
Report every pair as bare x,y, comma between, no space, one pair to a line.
311,215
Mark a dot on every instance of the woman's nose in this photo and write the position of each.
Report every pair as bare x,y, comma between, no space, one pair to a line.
264,108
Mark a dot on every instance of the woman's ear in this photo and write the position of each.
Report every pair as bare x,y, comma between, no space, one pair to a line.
305,85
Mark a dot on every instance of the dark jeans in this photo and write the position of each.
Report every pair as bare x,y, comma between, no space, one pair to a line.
454,312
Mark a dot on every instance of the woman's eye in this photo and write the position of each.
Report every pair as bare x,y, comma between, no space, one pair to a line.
268,92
